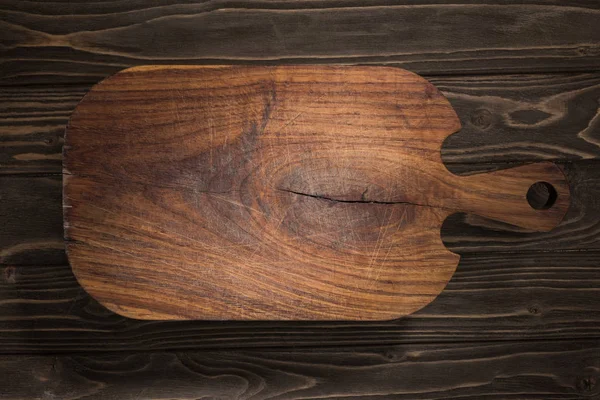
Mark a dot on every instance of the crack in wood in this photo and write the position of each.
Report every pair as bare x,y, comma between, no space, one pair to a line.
321,197
364,201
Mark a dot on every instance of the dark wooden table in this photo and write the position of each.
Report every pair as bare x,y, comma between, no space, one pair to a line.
520,318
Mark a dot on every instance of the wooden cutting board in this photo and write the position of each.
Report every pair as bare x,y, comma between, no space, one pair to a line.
274,193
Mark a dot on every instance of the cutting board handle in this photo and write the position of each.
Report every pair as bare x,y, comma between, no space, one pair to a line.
503,195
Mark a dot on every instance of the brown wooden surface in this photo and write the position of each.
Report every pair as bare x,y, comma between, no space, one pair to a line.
505,119
543,285
273,193
518,370
511,285
492,297
43,43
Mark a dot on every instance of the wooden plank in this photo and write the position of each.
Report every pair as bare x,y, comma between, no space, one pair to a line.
49,44
31,217
522,118
505,119
540,286
38,47
32,125
32,231
491,297
521,370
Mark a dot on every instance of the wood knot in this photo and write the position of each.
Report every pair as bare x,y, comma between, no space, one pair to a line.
535,310
481,118
392,355
51,141
587,51
587,384
10,274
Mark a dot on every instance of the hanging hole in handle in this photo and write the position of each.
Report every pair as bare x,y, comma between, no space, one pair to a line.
541,196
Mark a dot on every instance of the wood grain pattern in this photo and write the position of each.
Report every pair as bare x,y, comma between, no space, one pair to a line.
510,284
505,119
50,44
491,297
544,370
285,193
32,213
32,125
522,118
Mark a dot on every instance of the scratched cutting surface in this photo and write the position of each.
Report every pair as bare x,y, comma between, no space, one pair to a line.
270,193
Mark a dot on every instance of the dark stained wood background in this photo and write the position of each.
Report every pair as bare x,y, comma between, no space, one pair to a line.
520,318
